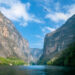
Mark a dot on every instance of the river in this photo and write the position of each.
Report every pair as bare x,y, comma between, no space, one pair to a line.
36,70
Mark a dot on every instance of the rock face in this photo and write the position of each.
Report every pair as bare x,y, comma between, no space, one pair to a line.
11,42
59,39
35,54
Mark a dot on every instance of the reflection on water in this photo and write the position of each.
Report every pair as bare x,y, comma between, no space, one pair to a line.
36,70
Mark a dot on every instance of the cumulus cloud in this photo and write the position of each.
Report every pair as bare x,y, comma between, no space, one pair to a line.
58,16
17,11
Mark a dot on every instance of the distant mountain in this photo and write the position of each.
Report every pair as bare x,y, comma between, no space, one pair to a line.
58,40
12,44
36,54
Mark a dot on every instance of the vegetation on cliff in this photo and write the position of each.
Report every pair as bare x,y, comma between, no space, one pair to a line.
65,58
11,61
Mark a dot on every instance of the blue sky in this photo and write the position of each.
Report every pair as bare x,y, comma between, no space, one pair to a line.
35,18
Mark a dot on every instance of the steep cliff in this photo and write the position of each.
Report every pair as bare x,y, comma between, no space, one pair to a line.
59,39
11,42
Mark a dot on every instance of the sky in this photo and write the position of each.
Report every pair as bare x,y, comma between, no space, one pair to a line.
35,18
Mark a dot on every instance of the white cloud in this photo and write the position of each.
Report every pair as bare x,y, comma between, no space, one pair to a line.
18,11
48,29
24,24
58,16
9,2
71,9
38,36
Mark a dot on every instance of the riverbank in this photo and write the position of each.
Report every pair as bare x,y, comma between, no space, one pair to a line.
12,61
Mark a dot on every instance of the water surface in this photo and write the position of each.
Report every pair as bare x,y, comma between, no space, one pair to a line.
36,70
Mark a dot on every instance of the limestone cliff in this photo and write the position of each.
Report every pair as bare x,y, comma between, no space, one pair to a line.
11,42
59,39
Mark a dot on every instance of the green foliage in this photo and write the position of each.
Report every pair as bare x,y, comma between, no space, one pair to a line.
11,61
65,58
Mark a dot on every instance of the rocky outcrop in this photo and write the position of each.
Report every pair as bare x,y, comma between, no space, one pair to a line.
59,39
11,42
